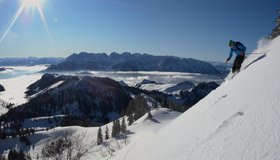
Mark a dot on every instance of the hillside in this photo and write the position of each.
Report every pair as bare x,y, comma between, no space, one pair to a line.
132,62
239,120
90,99
143,126
42,136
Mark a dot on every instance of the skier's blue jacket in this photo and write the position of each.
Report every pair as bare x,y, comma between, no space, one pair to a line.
238,49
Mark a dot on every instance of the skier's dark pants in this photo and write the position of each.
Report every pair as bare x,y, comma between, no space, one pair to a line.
237,63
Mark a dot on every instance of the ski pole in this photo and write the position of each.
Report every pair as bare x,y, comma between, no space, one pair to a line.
255,53
259,52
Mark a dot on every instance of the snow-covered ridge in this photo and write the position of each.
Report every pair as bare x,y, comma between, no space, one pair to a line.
47,89
76,97
239,120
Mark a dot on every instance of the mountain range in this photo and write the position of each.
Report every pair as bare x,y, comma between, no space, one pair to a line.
29,61
132,62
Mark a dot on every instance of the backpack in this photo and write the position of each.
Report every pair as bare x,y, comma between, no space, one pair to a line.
240,46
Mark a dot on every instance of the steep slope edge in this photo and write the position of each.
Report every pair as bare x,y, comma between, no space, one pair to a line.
239,120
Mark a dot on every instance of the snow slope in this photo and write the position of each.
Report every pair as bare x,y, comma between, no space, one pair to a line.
238,120
15,88
141,129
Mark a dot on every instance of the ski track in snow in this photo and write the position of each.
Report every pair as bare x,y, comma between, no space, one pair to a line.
230,121
259,58
217,101
132,146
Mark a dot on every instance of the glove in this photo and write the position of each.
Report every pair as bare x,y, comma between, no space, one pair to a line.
227,59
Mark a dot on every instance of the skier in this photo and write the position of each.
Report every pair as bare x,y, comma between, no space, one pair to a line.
239,49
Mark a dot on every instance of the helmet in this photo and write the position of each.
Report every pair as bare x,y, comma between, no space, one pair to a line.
231,43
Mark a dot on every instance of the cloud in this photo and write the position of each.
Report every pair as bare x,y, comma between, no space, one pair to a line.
132,78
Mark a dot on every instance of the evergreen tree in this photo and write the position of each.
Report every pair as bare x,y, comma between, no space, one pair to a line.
116,128
113,134
99,136
15,155
107,133
130,119
11,155
21,155
123,126
141,107
130,108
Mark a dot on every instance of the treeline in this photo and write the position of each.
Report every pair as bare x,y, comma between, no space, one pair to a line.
276,30
16,133
119,130
136,108
16,155
166,100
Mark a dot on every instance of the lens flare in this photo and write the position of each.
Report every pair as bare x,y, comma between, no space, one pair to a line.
28,4
18,12
40,10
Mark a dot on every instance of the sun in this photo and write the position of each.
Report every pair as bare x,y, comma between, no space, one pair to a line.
31,3
25,5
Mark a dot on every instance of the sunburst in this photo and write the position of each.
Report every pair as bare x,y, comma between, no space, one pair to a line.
25,5
30,3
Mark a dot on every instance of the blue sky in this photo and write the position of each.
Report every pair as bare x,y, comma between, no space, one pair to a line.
198,29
